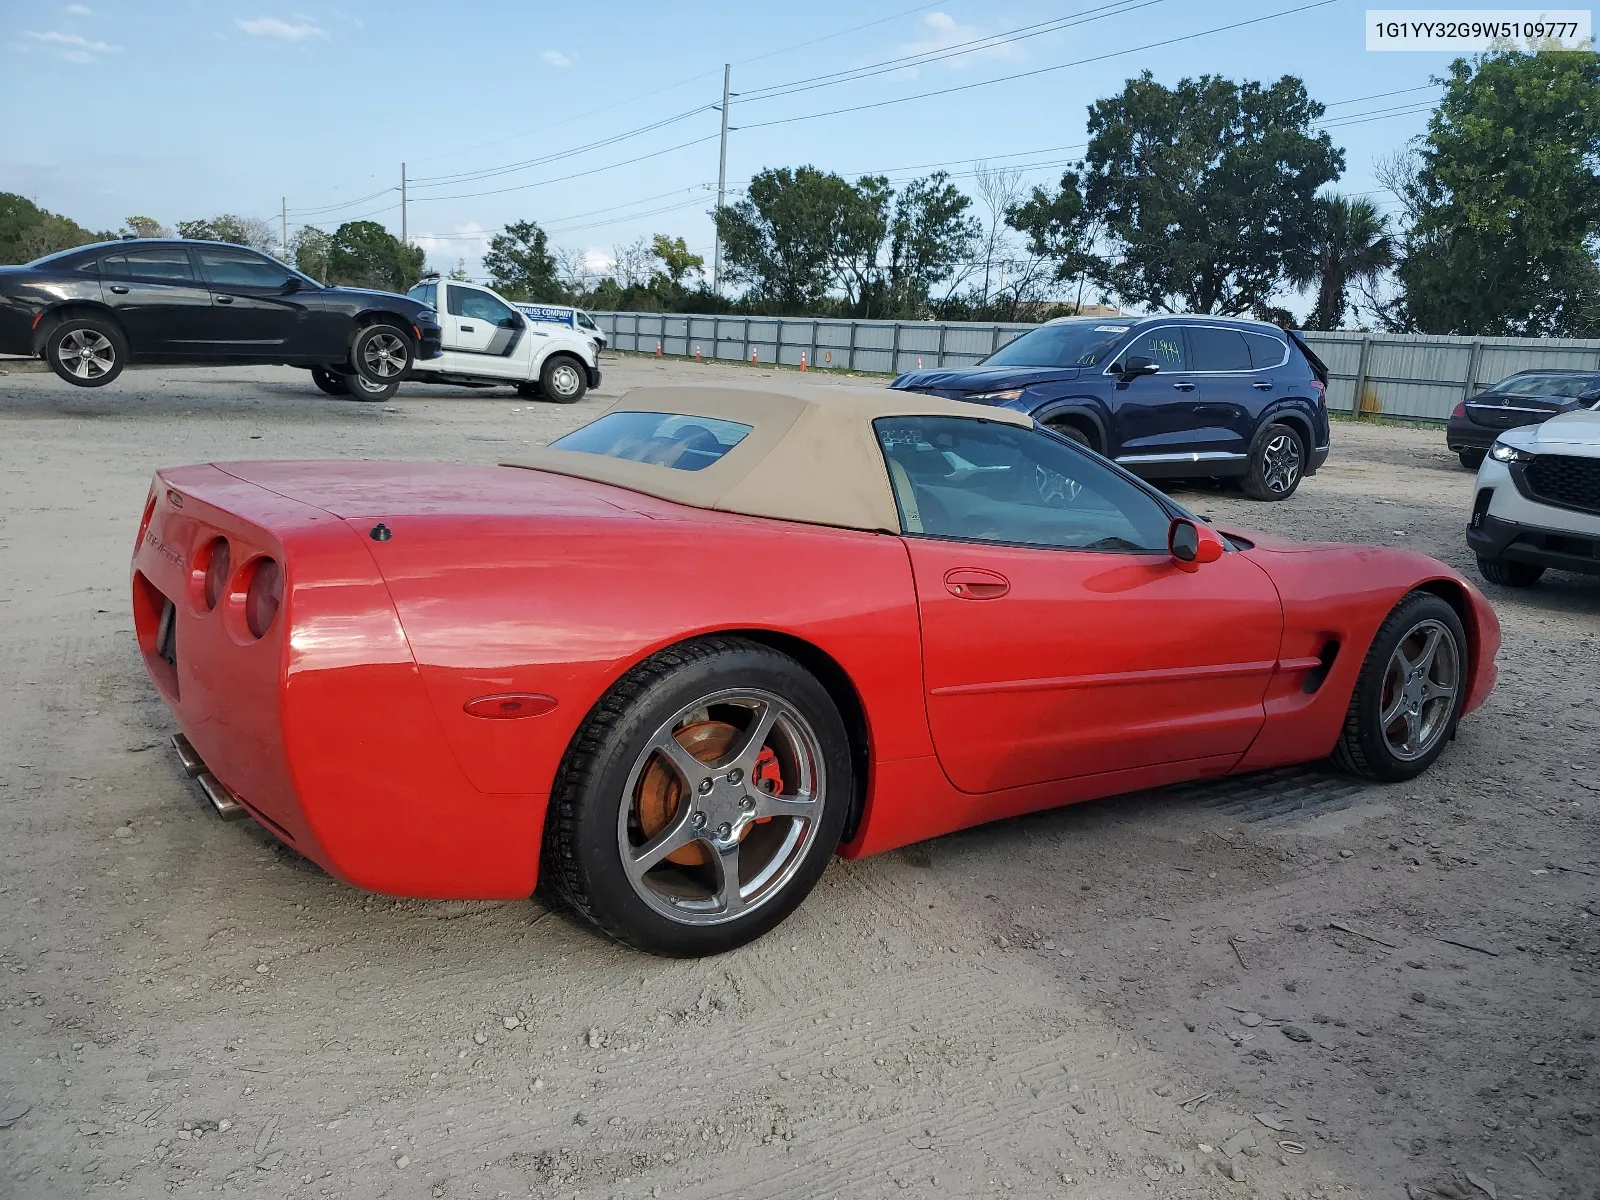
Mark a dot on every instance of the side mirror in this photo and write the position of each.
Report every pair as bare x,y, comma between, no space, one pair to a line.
1191,544
511,322
291,285
1590,397
1136,365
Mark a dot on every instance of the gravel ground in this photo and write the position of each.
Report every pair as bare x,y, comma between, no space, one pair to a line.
1291,985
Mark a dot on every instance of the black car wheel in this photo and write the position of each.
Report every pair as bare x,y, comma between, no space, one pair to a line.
361,388
563,379
329,381
86,351
701,800
1071,432
1509,574
381,354
1277,464
1471,459
1409,694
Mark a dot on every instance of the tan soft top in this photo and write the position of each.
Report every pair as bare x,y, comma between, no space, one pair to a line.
811,454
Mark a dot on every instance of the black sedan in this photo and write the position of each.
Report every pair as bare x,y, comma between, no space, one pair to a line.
90,311
1526,398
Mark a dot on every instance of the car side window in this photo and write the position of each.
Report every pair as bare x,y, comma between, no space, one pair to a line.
425,293
1162,346
164,264
1214,349
478,306
983,481
239,268
1266,350
583,319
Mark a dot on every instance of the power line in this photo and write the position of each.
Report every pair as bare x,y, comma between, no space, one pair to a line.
563,178
966,87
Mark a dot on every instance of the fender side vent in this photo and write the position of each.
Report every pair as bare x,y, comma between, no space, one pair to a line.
1325,659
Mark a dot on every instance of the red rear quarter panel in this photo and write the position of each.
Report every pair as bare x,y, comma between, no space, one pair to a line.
1343,593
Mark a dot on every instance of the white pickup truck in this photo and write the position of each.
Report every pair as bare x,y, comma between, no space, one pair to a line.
487,341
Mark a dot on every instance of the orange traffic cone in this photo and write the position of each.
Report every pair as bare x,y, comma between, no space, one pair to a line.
658,352
697,352
919,361
802,360
827,356
753,357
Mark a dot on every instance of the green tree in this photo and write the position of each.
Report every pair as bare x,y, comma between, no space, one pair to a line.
781,241
309,249
365,254
144,227
677,263
241,231
1207,190
1506,201
931,233
28,232
1061,230
1352,245
520,264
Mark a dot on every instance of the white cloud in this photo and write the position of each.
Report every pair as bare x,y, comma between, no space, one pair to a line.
79,10
274,28
69,47
599,261
942,32
557,59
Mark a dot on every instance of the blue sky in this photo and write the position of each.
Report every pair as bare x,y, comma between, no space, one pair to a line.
186,109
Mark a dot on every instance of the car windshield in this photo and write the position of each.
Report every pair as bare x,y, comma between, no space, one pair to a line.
1558,386
1078,343
662,439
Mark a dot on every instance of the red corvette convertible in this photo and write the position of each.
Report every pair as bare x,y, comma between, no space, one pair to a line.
671,664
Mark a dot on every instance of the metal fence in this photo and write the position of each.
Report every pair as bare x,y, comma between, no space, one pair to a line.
1417,377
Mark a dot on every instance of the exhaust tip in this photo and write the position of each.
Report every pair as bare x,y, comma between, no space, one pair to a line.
221,798
191,761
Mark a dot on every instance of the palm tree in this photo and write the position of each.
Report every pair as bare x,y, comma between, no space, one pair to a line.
1352,243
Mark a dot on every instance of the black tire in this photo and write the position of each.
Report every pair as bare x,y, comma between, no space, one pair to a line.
529,391
1472,459
1509,574
596,804
1277,464
1365,746
563,379
329,381
1072,433
382,353
359,387
86,351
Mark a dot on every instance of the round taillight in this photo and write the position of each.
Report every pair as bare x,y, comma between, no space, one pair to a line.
265,594
217,563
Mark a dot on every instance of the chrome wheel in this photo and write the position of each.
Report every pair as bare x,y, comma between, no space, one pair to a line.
86,354
1280,463
384,356
722,807
1419,690
565,380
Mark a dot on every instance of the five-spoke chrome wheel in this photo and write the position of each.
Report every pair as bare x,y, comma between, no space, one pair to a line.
1419,690
722,806
87,354
384,357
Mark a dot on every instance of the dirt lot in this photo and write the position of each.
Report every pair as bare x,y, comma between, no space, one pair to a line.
1019,1010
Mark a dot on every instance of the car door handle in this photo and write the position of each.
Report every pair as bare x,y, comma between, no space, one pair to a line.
1184,387
465,328
1262,385
119,289
223,299
974,583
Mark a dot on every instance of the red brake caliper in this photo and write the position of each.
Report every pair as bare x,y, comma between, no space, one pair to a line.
768,775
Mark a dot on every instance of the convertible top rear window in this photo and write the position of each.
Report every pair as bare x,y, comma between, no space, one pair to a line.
684,443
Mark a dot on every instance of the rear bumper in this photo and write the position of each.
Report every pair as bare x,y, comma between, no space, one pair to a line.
1317,458
1461,433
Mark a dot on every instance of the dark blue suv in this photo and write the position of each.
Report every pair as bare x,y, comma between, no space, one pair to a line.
1166,396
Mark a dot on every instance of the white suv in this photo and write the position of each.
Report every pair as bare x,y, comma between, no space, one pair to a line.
1538,501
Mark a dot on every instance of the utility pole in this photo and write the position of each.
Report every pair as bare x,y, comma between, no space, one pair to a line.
722,181
285,218
403,236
